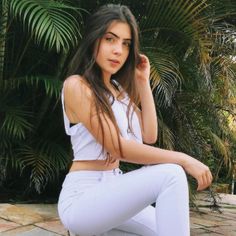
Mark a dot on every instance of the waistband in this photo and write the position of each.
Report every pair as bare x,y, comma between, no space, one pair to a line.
96,173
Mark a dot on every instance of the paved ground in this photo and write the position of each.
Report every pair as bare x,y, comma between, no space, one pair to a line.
42,219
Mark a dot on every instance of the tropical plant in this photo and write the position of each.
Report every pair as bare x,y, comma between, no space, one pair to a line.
29,87
190,44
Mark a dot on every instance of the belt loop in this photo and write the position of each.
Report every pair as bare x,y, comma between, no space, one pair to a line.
103,176
117,171
114,171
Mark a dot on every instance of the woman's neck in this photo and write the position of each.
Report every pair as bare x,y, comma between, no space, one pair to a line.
107,80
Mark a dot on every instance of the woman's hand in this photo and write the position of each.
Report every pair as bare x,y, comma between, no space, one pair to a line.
147,114
199,171
142,71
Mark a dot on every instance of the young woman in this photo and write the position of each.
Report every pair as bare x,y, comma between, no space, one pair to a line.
109,79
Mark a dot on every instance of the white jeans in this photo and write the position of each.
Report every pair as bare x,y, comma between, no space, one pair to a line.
112,203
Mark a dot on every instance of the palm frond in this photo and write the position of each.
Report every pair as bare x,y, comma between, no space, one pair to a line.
16,122
187,26
223,34
224,83
51,23
166,136
51,85
174,15
165,75
7,153
221,147
219,10
55,153
187,125
43,167
222,67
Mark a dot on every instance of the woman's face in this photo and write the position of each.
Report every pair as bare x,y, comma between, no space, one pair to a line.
114,48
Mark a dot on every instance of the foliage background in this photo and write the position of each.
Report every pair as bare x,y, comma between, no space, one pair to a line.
190,44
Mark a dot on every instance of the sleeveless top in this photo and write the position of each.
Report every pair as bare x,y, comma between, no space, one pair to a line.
85,146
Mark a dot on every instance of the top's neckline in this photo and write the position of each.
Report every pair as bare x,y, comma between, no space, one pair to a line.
120,90
121,99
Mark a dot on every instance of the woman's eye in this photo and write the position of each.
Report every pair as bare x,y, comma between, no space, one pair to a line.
109,39
127,44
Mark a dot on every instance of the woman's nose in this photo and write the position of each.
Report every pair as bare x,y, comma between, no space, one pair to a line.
118,49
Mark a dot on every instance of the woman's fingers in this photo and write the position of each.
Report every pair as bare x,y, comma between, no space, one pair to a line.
200,183
199,171
209,177
204,180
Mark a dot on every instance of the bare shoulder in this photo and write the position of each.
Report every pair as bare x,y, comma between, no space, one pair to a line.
76,85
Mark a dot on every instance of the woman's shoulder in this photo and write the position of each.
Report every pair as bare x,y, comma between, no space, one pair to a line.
76,84
75,80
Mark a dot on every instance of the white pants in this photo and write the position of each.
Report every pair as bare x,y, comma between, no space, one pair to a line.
112,203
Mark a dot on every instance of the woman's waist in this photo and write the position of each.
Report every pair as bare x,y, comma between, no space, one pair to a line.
97,165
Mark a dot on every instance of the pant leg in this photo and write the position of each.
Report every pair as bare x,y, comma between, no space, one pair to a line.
144,223
109,204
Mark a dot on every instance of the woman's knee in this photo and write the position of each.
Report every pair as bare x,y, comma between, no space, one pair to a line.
177,171
170,173
177,179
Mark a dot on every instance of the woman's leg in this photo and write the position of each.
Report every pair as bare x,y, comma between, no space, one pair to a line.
114,202
144,223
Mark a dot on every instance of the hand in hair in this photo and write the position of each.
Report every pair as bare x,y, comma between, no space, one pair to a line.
147,115
142,71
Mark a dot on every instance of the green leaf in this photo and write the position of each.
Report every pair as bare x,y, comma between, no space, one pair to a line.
50,23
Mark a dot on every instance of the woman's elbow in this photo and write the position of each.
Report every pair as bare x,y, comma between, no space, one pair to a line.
150,139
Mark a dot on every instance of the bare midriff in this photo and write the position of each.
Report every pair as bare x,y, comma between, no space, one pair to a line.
99,165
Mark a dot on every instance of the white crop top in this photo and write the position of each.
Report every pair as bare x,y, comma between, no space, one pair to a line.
85,146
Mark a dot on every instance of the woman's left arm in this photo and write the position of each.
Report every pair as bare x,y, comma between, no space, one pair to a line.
147,115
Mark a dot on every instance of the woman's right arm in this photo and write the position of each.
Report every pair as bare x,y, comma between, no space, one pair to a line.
79,100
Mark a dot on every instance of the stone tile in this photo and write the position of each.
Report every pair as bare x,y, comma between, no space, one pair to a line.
211,234
16,231
43,219
228,215
206,223
195,226
201,203
227,231
35,231
54,226
3,207
19,215
6,225
200,231
207,216
47,211
230,209
228,198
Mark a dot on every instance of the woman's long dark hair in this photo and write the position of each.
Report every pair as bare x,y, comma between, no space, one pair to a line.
83,62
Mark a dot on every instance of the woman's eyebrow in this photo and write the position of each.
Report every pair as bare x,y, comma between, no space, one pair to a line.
115,35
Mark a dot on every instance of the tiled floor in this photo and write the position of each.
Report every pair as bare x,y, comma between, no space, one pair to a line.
42,219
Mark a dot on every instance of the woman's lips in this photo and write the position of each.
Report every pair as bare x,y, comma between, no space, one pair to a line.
114,62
